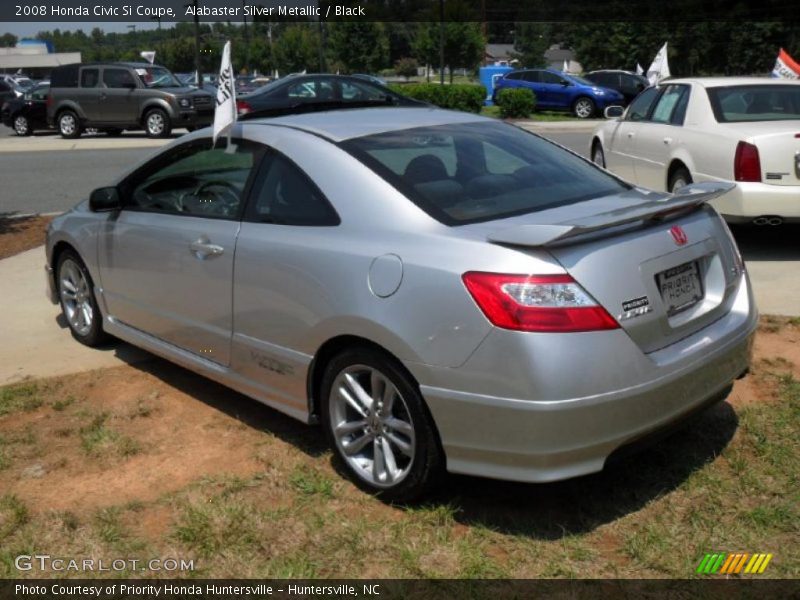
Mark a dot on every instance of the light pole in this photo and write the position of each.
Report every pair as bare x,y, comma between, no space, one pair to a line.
441,42
197,68
246,40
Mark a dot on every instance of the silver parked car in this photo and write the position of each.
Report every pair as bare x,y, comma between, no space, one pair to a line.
438,290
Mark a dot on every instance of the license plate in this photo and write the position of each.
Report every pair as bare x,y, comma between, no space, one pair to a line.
680,287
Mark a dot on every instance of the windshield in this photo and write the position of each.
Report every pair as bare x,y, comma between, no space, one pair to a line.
157,77
474,172
744,103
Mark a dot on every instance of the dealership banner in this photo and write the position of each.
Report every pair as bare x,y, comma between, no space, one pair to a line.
786,67
495,11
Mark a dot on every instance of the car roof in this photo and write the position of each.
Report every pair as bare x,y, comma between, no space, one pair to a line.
358,122
727,81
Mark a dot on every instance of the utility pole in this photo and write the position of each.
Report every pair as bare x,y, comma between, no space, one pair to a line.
159,44
441,42
246,40
321,47
197,68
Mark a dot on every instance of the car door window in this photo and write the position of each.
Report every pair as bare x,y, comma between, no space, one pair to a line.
118,78
355,92
196,180
547,77
640,107
90,78
531,76
668,103
514,76
284,195
40,93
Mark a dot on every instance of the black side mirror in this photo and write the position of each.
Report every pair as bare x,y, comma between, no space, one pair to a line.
105,199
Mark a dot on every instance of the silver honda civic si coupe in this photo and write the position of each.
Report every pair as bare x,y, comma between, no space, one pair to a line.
438,290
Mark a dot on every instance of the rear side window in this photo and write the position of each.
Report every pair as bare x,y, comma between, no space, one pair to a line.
284,195
90,78
514,76
495,171
531,76
547,77
66,76
742,103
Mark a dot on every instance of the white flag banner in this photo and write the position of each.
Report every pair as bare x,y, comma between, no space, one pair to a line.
660,68
148,55
566,67
639,69
225,113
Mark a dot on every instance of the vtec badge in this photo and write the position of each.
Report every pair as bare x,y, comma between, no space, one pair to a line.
636,307
678,235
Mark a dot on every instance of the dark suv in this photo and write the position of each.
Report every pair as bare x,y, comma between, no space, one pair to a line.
626,83
115,96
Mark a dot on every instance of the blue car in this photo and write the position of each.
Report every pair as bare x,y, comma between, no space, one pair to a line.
559,91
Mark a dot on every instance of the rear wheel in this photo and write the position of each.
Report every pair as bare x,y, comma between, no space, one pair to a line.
68,125
78,304
157,124
22,126
583,108
679,178
598,156
378,426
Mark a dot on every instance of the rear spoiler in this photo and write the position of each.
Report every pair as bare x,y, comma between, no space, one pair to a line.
685,199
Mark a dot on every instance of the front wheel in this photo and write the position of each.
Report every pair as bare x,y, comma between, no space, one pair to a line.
157,124
22,126
78,303
598,156
376,421
583,108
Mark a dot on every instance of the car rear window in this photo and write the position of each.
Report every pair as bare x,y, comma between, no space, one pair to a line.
467,173
742,103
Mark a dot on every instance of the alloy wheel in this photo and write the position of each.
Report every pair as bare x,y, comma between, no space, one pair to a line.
372,425
67,124
584,108
155,123
21,126
76,297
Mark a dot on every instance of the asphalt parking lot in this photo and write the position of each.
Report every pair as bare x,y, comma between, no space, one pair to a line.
45,174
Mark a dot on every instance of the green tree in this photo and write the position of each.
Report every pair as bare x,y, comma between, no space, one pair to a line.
406,67
8,40
531,40
464,45
297,49
359,47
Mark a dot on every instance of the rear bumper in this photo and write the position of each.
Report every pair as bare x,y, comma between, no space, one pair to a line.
750,200
536,440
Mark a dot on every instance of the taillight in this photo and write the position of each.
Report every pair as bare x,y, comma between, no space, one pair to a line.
546,303
746,163
243,107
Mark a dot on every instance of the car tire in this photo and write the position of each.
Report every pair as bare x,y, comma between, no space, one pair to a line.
157,123
114,132
78,303
680,178
411,461
584,108
22,126
68,124
598,156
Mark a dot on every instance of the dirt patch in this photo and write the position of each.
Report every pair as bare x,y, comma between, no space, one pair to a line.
20,234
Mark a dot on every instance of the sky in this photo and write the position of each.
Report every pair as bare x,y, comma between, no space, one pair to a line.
30,29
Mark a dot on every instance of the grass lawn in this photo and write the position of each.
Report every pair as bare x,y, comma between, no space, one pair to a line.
151,461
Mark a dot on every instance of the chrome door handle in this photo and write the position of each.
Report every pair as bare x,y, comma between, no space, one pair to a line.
202,248
667,140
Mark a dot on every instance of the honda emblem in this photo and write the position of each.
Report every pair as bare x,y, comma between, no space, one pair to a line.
678,235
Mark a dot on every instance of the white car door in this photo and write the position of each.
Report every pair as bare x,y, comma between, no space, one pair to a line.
659,137
621,144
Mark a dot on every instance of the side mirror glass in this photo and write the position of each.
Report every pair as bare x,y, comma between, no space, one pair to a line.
613,112
105,199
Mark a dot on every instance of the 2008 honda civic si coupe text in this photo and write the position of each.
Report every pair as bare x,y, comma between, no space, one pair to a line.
440,291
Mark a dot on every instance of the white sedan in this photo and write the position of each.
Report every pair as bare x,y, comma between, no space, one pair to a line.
741,129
